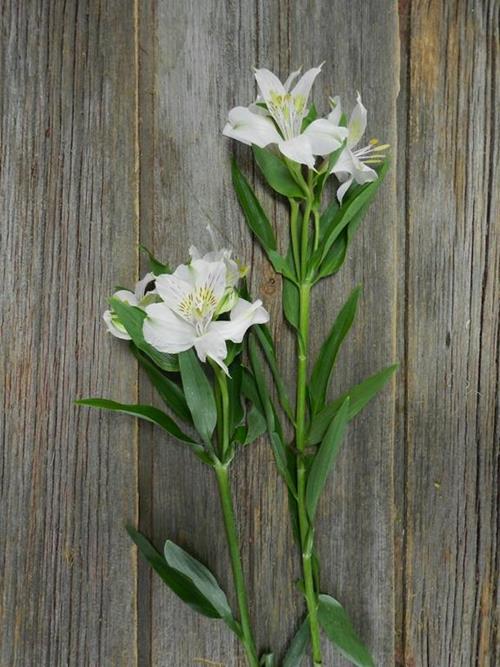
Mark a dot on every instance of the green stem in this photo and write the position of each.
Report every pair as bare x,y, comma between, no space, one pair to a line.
294,234
221,472
234,552
316,228
304,526
223,408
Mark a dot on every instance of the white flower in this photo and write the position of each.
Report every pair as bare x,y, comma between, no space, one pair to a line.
281,122
352,165
135,298
192,297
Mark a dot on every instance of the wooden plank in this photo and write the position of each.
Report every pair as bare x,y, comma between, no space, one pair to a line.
359,44
451,514
196,61
68,475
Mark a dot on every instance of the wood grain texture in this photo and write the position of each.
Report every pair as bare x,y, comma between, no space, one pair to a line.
112,113
450,550
68,477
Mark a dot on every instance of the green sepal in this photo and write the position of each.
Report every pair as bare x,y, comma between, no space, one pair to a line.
359,395
323,367
276,173
340,631
132,319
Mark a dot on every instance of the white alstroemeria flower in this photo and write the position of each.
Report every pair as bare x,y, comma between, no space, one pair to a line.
352,164
192,298
134,298
282,123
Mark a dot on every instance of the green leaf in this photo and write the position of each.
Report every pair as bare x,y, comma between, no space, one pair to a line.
298,646
339,630
199,395
252,210
267,660
335,256
267,345
176,581
132,319
147,412
324,458
360,395
335,219
291,303
329,350
256,425
169,391
202,580
236,412
155,266
276,173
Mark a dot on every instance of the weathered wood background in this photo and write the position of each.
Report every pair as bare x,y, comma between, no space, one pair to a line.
111,113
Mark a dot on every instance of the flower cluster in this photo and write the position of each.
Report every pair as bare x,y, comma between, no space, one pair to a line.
281,117
197,305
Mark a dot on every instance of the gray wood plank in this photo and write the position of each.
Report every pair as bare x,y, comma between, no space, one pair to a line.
451,513
202,55
68,193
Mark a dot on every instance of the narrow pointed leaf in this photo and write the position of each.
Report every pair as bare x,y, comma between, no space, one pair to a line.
256,425
324,458
267,345
252,210
147,412
320,377
202,580
157,267
199,395
291,303
276,173
176,581
132,319
360,395
298,646
169,391
340,631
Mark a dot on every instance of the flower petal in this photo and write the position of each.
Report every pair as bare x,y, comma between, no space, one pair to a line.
291,79
299,150
166,331
173,289
304,84
268,83
250,128
325,137
140,287
113,326
336,112
212,345
243,315
357,123
343,189
126,296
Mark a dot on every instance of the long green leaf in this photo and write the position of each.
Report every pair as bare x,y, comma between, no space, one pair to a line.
276,173
360,395
291,303
199,395
132,319
157,267
329,350
169,391
202,580
147,412
340,631
267,345
338,218
298,646
176,581
252,210
324,458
